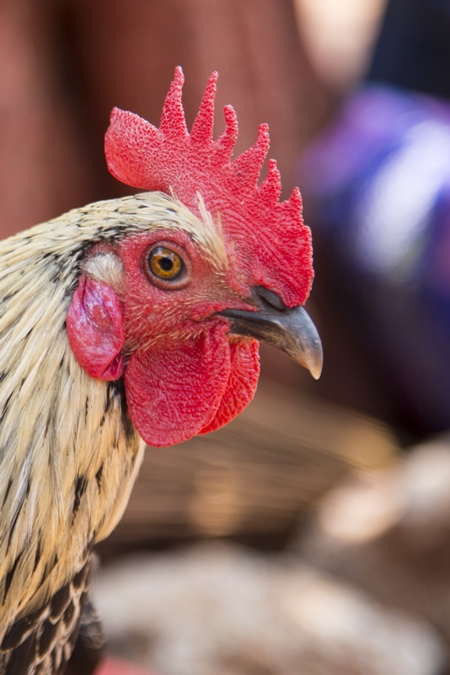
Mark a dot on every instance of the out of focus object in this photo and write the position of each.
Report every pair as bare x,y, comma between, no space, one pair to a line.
116,667
389,534
222,610
377,184
413,49
338,37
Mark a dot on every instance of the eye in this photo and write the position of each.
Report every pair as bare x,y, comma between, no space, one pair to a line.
165,264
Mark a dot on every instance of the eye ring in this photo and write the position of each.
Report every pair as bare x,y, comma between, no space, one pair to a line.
165,266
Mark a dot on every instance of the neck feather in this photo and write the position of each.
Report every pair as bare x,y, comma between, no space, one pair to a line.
68,452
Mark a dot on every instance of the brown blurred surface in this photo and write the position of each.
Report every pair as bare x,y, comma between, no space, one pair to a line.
252,479
42,171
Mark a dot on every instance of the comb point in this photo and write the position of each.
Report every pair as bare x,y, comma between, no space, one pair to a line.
269,190
296,199
173,120
203,126
248,165
223,147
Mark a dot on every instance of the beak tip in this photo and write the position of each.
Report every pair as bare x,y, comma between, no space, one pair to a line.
316,371
315,361
291,331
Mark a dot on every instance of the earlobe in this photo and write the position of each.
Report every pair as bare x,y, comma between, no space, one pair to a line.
95,329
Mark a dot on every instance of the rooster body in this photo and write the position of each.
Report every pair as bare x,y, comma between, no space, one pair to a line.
104,341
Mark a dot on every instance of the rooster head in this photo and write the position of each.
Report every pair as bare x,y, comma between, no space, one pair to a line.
212,263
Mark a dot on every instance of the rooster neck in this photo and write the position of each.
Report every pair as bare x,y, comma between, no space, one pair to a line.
68,452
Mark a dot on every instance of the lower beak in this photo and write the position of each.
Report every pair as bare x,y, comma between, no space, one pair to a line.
290,330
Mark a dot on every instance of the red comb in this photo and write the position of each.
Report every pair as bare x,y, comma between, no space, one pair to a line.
171,159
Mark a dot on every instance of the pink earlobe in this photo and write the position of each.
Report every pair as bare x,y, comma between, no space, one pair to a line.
95,329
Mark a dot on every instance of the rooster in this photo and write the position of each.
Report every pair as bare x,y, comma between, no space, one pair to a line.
126,322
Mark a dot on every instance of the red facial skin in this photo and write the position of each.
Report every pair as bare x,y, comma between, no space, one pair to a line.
184,374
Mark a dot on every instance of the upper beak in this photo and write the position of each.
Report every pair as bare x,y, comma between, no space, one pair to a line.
290,330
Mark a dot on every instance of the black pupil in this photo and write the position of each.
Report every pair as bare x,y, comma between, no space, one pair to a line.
166,264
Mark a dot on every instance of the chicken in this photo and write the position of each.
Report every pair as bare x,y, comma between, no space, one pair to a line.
129,321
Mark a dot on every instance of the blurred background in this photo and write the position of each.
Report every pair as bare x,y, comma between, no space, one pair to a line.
310,536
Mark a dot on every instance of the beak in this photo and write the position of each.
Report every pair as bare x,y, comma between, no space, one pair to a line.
290,330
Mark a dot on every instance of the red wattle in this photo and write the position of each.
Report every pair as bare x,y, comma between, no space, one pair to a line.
242,383
173,394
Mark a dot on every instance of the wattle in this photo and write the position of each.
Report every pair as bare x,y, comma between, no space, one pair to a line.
174,393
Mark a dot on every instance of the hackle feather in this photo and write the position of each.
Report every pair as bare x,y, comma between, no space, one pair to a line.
68,452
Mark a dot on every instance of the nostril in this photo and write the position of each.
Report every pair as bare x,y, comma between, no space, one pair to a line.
270,298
